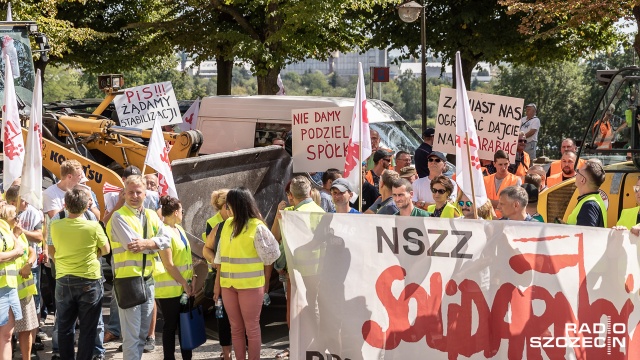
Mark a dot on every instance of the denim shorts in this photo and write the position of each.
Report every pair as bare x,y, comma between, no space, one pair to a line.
9,301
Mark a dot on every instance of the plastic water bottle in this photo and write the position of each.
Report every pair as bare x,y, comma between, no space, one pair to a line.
184,298
266,300
219,313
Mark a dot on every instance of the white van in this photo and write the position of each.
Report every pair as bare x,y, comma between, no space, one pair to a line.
230,123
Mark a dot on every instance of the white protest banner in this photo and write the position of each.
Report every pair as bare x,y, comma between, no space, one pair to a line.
320,138
190,118
390,287
497,120
141,106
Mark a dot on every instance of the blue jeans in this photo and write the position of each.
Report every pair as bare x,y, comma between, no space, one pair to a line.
81,298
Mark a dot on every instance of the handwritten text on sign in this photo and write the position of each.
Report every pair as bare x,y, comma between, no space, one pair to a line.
320,138
140,107
497,120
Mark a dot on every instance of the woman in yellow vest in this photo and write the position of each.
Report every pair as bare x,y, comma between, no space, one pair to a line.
246,246
176,278
218,202
10,310
26,285
441,187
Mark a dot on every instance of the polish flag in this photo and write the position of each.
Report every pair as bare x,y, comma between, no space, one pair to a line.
158,159
190,118
468,168
13,142
360,140
31,187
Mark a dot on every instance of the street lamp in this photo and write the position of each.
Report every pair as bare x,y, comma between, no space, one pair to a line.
410,12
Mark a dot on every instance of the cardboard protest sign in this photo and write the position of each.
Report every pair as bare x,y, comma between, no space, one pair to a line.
403,287
497,120
320,138
140,107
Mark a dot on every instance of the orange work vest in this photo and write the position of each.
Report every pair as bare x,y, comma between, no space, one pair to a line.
523,167
490,185
556,167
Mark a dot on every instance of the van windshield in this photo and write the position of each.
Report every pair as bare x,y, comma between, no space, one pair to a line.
395,132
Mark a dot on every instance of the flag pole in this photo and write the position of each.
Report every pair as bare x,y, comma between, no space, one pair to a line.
360,161
473,191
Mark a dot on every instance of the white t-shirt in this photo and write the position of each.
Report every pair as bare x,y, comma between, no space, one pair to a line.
422,191
53,198
31,219
533,123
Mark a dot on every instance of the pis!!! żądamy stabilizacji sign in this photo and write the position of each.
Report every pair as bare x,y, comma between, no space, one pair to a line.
141,106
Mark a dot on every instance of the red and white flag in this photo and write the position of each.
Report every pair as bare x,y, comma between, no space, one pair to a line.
360,137
31,186
468,168
109,188
190,118
13,142
158,158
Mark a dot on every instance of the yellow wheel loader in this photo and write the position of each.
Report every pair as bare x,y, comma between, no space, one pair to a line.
613,136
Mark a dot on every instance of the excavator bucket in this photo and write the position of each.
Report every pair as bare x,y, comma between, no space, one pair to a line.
264,171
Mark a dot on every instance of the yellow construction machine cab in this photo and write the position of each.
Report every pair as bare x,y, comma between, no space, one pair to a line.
96,141
613,136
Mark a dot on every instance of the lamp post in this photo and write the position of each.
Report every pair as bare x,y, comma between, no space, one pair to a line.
410,12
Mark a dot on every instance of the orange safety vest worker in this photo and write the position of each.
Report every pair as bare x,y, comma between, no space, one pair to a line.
493,193
556,167
523,167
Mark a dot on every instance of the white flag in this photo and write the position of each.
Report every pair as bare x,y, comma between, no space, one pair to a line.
359,134
9,15
158,158
280,86
467,157
13,142
190,118
31,187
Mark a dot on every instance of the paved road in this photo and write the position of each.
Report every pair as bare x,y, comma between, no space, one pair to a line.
274,334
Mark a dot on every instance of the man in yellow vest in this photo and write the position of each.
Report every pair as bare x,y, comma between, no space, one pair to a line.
494,183
130,241
590,210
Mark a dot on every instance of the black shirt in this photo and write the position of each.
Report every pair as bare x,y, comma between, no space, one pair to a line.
590,213
421,158
369,195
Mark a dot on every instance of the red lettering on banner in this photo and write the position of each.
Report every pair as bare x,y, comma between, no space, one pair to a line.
510,317
165,156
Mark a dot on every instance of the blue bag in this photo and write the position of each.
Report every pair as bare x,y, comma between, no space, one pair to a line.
192,331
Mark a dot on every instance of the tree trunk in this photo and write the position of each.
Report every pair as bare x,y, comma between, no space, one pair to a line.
268,84
467,68
225,71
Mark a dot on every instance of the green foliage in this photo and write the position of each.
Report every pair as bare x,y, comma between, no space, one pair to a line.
559,90
63,83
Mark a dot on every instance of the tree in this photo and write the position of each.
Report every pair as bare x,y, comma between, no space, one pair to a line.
579,19
63,83
482,30
559,91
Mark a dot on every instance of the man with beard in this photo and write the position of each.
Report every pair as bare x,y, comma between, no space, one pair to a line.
567,145
568,163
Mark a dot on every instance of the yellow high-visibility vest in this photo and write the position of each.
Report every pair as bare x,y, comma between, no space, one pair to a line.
26,287
240,265
166,286
126,263
8,270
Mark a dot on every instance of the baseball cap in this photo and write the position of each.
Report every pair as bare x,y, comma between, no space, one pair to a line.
381,154
438,154
532,192
131,170
532,105
341,184
407,172
428,132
